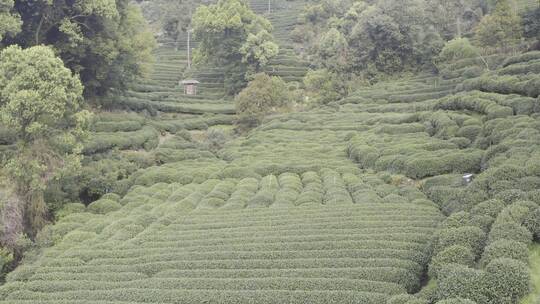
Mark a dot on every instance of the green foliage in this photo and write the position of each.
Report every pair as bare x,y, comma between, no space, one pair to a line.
507,280
531,24
502,28
40,100
505,249
457,49
456,301
104,206
10,24
458,281
258,49
368,37
467,236
455,254
333,51
324,86
106,42
230,34
6,257
263,95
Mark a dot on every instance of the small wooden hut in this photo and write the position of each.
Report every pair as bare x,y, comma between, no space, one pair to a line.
190,86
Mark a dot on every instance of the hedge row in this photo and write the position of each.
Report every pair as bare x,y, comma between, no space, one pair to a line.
146,138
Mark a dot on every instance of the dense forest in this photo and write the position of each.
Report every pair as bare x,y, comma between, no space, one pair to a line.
276,151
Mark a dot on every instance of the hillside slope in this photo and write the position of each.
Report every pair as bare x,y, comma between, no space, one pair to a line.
345,203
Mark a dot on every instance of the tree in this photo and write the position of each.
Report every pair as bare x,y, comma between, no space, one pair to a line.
333,50
259,49
10,23
502,28
531,24
176,16
457,49
106,42
453,18
232,35
263,95
323,86
41,101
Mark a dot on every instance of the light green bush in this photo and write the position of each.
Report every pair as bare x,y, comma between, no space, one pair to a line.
104,206
455,254
456,301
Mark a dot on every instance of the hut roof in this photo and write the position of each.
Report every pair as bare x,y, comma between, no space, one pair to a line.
190,81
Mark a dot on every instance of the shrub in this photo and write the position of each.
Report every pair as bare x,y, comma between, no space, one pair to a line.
507,281
104,206
458,281
468,236
457,49
505,249
510,231
490,208
68,209
263,95
455,254
456,301
405,299
501,28
323,86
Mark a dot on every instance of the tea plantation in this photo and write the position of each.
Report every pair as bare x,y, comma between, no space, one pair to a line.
362,200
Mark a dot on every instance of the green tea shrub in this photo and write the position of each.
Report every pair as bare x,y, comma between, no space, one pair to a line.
455,254
507,280
104,206
405,299
116,126
525,57
458,281
467,236
111,196
505,249
68,209
490,208
456,301
457,219
510,231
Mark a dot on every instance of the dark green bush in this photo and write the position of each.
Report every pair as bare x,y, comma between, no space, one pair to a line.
510,231
490,208
455,254
505,249
507,281
458,281
467,236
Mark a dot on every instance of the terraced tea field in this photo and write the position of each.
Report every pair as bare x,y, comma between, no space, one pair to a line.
359,201
221,242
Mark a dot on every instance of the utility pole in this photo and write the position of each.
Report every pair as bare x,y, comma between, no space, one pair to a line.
189,49
269,6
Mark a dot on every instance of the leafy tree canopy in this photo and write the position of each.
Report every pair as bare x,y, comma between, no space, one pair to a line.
232,35
9,23
263,95
105,41
41,100
501,28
